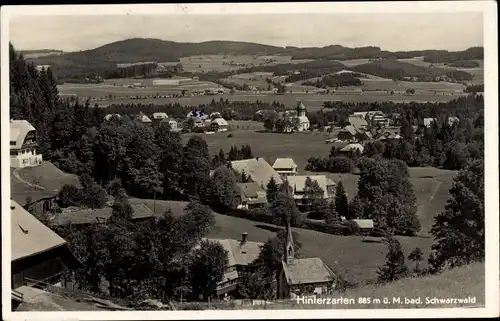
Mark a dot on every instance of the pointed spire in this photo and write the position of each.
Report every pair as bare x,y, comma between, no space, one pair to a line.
289,246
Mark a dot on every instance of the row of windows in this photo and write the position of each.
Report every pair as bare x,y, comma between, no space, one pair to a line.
22,152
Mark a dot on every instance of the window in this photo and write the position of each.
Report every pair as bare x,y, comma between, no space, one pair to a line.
13,153
12,143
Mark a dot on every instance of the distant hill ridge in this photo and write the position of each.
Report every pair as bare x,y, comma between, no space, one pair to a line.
146,49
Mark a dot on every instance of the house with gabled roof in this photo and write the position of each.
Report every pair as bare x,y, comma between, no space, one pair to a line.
241,254
285,167
144,119
347,134
303,276
250,196
352,147
258,170
298,186
159,116
23,145
38,255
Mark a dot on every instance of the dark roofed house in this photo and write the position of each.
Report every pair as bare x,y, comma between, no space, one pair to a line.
250,196
348,133
39,256
241,254
306,276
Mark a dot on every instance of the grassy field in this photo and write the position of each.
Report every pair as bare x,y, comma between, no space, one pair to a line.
461,283
221,63
46,175
431,184
352,257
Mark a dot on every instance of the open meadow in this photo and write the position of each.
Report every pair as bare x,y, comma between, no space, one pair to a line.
312,101
222,63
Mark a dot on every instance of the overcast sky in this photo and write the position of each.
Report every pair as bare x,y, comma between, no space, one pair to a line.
403,31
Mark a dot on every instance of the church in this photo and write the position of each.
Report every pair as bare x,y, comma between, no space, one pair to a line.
294,120
303,276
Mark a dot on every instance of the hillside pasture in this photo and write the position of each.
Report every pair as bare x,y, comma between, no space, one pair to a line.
349,256
223,63
119,89
353,62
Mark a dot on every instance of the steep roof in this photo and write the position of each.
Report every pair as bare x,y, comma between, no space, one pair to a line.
143,118
353,147
306,271
300,105
239,253
350,129
29,235
298,182
284,163
357,122
258,169
220,121
18,131
370,113
252,193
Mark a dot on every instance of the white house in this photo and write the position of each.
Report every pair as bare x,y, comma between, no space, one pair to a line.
428,122
108,117
352,147
298,184
172,123
219,125
23,145
159,116
285,167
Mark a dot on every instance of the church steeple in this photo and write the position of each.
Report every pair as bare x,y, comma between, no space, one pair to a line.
289,246
301,109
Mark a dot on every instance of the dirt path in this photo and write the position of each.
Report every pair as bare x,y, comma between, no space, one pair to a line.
15,173
423,208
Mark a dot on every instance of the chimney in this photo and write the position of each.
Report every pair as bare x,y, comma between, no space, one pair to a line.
244,237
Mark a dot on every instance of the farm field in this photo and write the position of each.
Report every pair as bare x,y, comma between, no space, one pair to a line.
312,101
222,63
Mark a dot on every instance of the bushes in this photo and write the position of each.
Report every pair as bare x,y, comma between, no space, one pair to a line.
338,164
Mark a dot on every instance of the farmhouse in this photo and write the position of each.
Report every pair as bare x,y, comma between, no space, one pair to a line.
347,134
389,133
108,117
174,81
285,167
241,253
158,117
308,276
258,169
376,118
298,185
453,120
428,122
250,196
38,254
144,119
365,225
172,123
219,125
23,145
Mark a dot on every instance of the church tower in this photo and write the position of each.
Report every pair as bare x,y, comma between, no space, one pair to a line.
289,246
301,110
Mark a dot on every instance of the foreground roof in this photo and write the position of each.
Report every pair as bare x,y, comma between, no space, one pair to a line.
18,131
29,235
252,193
258,169
239,253
306,271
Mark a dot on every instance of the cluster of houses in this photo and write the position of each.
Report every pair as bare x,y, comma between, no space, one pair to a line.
196,121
